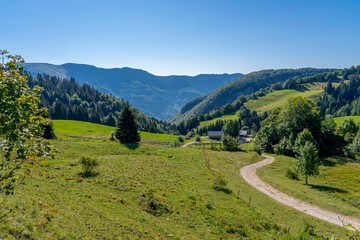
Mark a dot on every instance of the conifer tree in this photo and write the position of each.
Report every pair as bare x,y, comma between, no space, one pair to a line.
127,127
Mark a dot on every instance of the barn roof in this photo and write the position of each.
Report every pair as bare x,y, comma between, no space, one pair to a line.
243,132
215,133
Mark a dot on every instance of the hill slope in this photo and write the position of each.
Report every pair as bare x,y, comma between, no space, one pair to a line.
244,85
158,96
67,99
78,129
260,105
149,192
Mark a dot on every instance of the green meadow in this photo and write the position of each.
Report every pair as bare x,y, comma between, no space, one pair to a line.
224,118
79,129
271,101
147,191
277,99
339,120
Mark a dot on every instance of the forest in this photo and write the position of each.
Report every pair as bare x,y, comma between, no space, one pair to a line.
69,100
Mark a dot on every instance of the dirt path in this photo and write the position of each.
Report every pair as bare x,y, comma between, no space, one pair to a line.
249,174
189,143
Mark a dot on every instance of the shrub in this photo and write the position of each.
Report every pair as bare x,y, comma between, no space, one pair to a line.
198,139
220,184
230,143
257,149
181,139
176,143
88,164
292,174
112,136
213,146
154,204
189,135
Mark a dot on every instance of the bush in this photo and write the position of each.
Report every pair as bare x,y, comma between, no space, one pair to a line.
154,204
230,143
198,139
189,135
176,143
257,149
292,174
88,164
112,136
181,139
220,184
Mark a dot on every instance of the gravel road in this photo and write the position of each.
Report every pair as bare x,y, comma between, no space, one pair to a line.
249,174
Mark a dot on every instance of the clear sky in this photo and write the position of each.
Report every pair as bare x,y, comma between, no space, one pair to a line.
184,36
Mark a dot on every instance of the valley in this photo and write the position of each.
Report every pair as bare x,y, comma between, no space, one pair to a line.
180,120
156,96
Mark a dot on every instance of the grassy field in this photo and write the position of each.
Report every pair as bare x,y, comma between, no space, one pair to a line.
78,129
146,192
339,120
272,101
336,188
277,99
150,192
224,118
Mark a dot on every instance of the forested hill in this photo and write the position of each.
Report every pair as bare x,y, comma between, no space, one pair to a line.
157,96
344,100
67,99
245,85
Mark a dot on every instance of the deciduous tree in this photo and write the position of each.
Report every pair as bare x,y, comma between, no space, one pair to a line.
307,160
21,125
231,128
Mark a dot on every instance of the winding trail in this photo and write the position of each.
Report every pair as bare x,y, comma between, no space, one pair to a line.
189,143
248,172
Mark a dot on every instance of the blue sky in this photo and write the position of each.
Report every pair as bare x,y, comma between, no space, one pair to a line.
184,37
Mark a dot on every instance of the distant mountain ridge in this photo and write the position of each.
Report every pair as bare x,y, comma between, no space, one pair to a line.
157,96
244,85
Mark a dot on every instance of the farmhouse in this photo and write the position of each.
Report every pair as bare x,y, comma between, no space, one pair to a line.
215,134
243,133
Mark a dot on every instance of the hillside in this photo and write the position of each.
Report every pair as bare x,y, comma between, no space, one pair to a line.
149,192
245,85
264,104
157,96
66,129
278,98
261,102
69,100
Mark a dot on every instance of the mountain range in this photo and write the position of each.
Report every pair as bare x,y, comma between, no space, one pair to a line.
157,96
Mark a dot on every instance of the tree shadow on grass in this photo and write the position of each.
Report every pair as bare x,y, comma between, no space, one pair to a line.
327,188
131,146
88,174
223,189
327,162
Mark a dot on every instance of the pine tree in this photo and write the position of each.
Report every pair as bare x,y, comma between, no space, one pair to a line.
127,127
49,132
329,88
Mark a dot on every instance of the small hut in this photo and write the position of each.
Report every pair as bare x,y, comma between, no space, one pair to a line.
215,134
